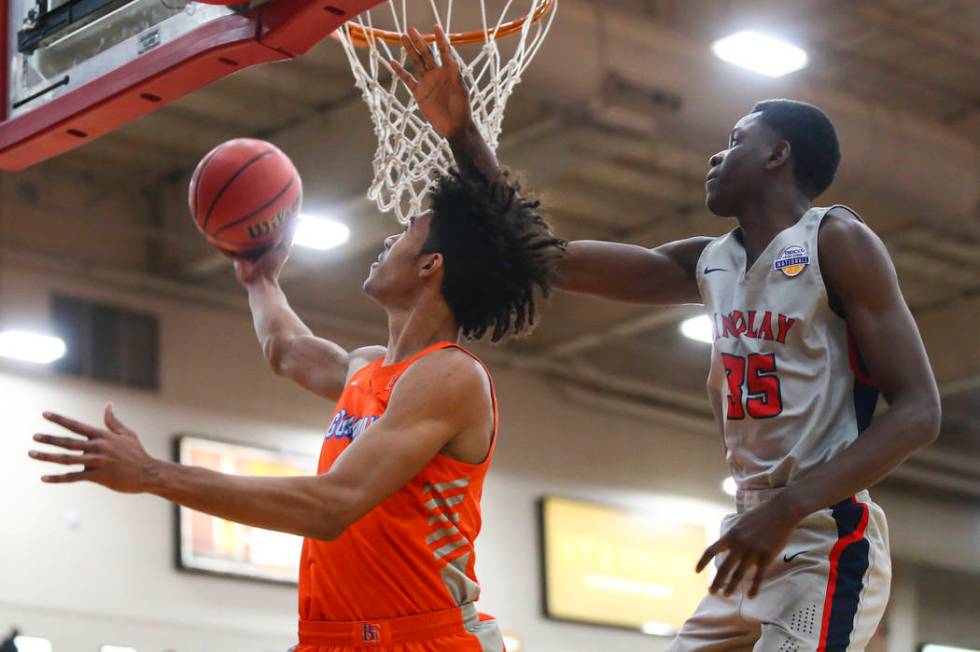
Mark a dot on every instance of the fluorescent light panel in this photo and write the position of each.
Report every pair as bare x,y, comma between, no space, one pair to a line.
760,53
320,233
929,647
697,328
32,644
31,347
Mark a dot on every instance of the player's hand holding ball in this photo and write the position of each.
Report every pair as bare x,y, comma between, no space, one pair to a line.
268,266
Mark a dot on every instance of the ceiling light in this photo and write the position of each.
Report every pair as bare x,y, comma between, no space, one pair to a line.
929,647
698,328
760,53
728,486
31,347
512,643
320,233
32,644
117,648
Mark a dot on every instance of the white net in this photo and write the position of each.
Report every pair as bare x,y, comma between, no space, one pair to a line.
410,153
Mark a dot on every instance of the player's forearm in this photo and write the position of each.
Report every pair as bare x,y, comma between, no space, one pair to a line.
305,506
889,441
271,313
473,155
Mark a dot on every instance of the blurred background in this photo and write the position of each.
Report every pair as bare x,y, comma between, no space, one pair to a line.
613,126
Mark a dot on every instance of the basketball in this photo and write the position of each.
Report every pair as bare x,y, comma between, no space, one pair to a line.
243,195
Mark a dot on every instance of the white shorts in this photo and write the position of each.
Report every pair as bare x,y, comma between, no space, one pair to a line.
825,592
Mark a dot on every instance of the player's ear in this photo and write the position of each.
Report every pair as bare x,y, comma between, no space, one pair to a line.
779,155
430,264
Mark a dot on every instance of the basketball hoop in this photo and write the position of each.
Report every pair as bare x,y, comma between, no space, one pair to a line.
410,153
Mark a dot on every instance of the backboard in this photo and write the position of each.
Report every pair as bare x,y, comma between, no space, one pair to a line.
77,69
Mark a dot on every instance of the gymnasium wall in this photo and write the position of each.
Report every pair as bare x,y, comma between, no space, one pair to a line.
110,578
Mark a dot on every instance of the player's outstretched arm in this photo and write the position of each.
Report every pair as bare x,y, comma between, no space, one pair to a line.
290,347
856,269
443,398
661,276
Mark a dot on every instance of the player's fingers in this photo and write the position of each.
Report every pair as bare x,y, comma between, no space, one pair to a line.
442,41
114,424
67,477
75,426
724,571
743,567
404,75
58,458
760,570
423,48
709,553
68,443
413,55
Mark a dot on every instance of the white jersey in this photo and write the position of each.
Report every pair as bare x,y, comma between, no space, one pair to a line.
786,381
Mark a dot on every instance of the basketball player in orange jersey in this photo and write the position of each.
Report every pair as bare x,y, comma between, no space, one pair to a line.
809,325
392,517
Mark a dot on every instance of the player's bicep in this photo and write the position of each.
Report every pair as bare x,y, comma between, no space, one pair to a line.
627,272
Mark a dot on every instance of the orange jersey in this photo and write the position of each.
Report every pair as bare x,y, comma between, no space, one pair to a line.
413,553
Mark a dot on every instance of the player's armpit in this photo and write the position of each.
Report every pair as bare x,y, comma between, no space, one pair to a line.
441,399
662,276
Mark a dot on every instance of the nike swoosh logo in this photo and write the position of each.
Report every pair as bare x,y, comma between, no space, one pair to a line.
715,269
789,558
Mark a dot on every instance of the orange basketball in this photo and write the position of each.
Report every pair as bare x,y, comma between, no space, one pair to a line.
243,195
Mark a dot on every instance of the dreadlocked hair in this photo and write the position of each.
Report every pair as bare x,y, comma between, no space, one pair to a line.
498,252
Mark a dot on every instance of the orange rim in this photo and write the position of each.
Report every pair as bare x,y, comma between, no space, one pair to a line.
361,36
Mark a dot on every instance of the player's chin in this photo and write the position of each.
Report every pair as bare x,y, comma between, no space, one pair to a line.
717,205
370,282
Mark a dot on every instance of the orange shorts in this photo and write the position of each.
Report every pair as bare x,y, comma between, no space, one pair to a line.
451,630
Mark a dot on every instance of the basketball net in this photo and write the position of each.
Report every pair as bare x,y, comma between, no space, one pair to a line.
410,154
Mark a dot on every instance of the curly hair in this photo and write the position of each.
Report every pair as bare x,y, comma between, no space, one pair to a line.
499,253
812,138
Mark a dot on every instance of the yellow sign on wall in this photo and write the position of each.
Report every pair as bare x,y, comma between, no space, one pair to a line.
618,567
214,545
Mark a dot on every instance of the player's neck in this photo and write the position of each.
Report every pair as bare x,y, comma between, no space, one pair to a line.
778,208
410,330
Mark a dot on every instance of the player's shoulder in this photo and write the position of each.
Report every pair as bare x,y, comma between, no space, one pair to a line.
843,235
451,366
851,253
686,252
447,377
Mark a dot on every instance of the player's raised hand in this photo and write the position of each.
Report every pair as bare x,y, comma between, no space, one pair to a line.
437,86
752,544
269,265
112,457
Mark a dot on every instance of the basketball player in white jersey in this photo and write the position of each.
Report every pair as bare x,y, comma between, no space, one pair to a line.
809,325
